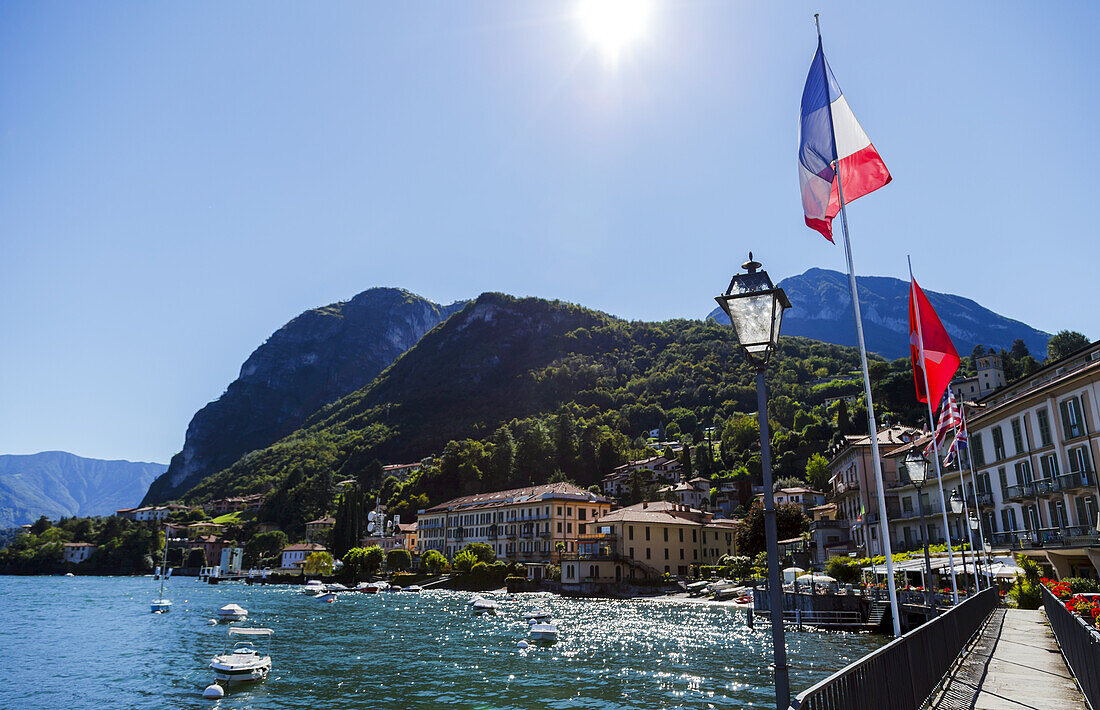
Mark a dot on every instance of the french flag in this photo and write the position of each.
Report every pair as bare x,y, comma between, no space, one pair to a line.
829,130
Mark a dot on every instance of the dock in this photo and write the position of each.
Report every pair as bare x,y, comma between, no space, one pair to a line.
1013,664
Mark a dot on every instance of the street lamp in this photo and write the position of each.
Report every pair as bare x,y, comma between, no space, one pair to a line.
973,522
916,467
755,309
957,507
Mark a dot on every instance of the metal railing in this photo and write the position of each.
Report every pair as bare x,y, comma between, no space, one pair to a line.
811,617
1075,536
1070,481
1080,644
904,673
1023,490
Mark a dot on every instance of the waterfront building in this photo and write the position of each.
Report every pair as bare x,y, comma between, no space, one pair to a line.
400,471
314,528
990,376
294,556
521,525
77,552
149,513
645,542
1035,443
406,536
694,493
854,491
905,527
221,506
828,534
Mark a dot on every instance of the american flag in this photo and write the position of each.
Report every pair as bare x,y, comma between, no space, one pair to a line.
951,421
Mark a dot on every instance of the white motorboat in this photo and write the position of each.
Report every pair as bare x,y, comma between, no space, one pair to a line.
545,633
413,588
314,586
69,574
537,614
475,600
243,662
484,606
337,587
232,612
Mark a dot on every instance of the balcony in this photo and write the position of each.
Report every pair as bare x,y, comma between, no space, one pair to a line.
1044,487
1019,492
929,510
985,499
842,488
1046,538
828,524
1074,481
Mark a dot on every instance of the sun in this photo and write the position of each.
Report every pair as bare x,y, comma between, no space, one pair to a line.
613,25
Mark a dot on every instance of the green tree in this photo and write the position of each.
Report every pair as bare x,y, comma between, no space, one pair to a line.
790,522
373,558
1019,349
398,560
318,563
464,561
844,570
41,525
817,472
482,551
566,443
355,562
196,557
502,459
1064,343
1026,591
434,561
265,544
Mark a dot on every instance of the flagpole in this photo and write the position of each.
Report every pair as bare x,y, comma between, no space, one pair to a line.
884,528
935,444
974,483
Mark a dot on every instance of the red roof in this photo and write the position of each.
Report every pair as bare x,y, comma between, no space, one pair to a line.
305,546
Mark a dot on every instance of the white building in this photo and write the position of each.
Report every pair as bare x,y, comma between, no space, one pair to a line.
294,556
77,552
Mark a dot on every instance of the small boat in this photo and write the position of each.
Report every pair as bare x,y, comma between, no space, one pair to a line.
545,633
475,600
697,589
327,597
337,587
366,588
484,606
243,662
537,614
69,574
415,589
232,612
162,605
314,586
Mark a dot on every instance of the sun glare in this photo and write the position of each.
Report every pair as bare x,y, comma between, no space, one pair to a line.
614,24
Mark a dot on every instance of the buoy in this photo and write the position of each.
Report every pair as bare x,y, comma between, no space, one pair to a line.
213,691
522,644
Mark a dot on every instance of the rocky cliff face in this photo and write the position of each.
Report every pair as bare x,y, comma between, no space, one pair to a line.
822,310
57,483
313,360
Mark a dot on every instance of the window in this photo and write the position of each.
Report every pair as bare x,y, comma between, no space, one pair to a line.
1079,460
1086,511
998,444
559,527
666,553
666,534
1049,464
569,527
559,510
647,533
569,512
976,449
681,534
1072,425
581,513
629,531
647,551
1023,473
1004,482
631,551
1017,436
907,505
1044,427
693,535
695,554
681,553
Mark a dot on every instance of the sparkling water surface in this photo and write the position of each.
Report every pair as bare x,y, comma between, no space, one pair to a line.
91,642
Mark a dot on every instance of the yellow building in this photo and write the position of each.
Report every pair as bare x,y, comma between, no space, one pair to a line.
521,525
646,541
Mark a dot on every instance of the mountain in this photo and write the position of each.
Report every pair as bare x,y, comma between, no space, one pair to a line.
822,310
56,484
548,373
316,358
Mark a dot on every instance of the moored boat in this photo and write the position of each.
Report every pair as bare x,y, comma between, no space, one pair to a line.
484,606
314,586
232,612
544,633
243,662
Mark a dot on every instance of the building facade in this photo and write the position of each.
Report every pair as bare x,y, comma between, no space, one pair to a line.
523,524
645,542
294,556
77,552
1035,445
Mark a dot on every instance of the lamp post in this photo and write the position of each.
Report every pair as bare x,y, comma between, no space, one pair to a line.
973,524
916,467
755,309
957,507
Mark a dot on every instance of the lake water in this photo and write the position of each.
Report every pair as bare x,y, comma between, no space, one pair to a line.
90,642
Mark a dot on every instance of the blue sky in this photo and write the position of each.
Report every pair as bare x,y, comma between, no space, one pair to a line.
177,180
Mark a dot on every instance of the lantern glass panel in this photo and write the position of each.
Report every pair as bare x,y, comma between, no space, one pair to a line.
752,318
917,468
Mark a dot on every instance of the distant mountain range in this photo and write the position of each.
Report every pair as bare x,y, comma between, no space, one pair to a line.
822,310
57,483
316,358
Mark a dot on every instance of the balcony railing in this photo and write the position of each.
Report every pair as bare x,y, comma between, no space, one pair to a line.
1071,481
929,510
846,487
820,524
1080,644
1044,487
1024,490
1076,536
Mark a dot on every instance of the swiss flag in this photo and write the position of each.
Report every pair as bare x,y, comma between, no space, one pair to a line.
941,360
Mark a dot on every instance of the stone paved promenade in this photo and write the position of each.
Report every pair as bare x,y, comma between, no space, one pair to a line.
1014,665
